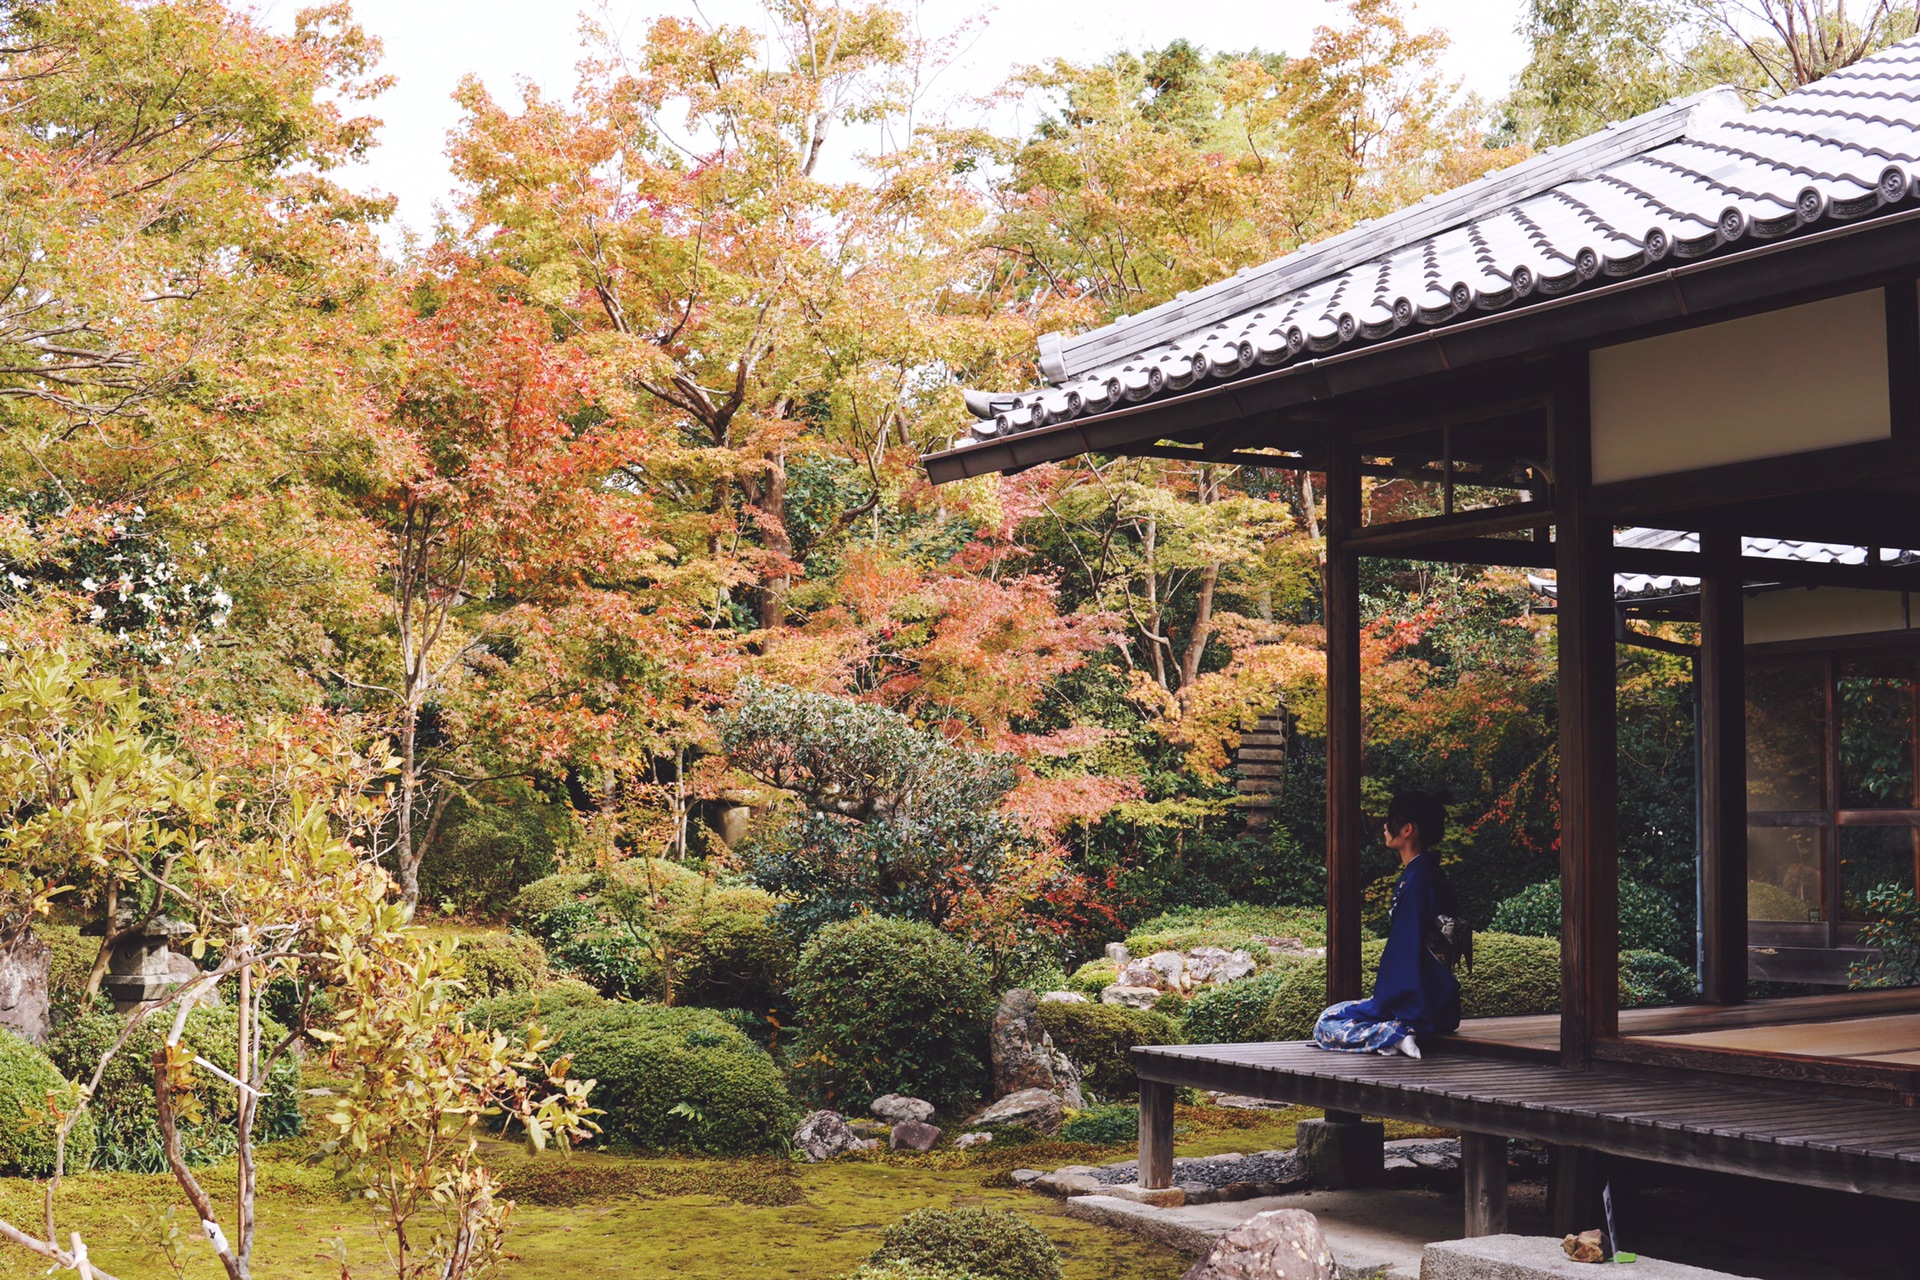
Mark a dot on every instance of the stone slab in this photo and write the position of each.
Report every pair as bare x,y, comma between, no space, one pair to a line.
1513,1257
1159,1197
1372,1233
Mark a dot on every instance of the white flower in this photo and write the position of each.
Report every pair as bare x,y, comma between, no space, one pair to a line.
88,584
19,583
222,601
97,614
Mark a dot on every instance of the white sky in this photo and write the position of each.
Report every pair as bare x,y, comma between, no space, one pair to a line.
430,44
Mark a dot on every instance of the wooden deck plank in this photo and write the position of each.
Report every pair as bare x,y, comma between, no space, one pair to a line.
1732,1126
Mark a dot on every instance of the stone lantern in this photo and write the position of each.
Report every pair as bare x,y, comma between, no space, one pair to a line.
142,966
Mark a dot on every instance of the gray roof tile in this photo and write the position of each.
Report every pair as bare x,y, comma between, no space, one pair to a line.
1681,182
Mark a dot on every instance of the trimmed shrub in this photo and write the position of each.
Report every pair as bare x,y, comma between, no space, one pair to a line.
1110,1126
1093,977
1230,926
126,1122
1649,978
1511,975
669,1079
988,1243
27,1141
1302,996
71,962
1771,902
891,1006
1648,921
1236,1012
1097,1037
550,893
502,964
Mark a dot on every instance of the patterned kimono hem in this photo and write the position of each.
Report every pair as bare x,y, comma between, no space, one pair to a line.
1352,1027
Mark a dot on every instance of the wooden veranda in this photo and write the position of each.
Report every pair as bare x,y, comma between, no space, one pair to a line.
1703,322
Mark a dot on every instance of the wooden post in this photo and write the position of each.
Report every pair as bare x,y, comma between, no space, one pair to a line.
1156,1134
1345,838
1589,784
1483,1169
1723,770
1573,1190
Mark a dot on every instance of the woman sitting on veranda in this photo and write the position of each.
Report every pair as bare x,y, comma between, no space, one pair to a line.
1416,994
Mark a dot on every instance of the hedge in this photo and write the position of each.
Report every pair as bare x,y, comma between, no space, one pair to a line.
1648,920
988,1243
1096,1038
891,1006
668,1078
28,1141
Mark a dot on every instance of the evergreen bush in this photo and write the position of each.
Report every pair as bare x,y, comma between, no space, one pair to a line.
1511,975
1109,1126
550,893
126,1120
1650,979
1097,1037
1648,921
1234,1013
991,1244
891,1006
668,1078
900,1269
27,1136
1093,977
501,964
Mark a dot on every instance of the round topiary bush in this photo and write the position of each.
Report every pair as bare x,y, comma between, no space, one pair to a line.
1648,921
1511,975
891,1006
1093,977
1236,1012
127,1134
900,1269
1650,979
502,964
991,1244
1096,1037
669,1079
550,893
1117,1125
27,1139
1302,994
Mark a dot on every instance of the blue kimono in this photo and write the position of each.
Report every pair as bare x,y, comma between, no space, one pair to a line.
1415,993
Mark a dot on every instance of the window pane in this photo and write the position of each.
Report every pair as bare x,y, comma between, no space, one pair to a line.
1783,873
1872,857
1786,735
1876,734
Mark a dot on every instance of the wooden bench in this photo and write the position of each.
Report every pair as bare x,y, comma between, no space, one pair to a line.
1730,1126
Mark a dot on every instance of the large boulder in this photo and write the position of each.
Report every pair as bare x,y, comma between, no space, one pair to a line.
897,1107
25,974
1215,966
911,1135
1023,1053
1163,971
1280,1244
826,1134
1035,1109
1131,997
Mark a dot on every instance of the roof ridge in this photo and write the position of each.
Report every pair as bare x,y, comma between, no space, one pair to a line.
1063,357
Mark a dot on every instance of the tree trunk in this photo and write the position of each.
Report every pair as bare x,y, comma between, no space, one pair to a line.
1202,626
768,500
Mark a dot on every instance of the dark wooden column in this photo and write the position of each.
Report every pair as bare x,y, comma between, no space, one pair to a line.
1483,1172
1156,1134
1723,770
1345,838
1589,805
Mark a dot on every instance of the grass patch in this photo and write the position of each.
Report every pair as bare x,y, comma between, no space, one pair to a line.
1230,926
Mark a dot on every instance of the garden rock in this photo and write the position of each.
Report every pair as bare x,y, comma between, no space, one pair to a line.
1163,971
1035,1109
911,1135
1213,966
1024,1058
1023,1177
895,1107
1117,952
1064,997
181,970
966,1140
24,977
1280,1244
824,1135
1131,997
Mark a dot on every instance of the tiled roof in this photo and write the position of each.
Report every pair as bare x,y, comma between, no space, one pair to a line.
1691,179
1643,586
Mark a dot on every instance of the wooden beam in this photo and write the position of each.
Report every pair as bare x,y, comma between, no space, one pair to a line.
1156,1134
1573,1189
1407,534
1483,1168
1723,770
1345,836
1589,783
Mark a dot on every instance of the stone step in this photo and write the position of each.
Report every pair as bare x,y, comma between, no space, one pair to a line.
1263,739
1261,770
1259,753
